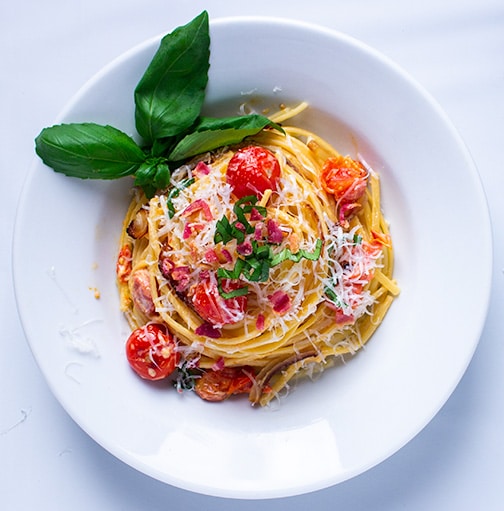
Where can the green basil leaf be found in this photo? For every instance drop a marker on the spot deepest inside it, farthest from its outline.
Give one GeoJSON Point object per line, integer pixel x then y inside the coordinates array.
{"type": "Point", "coordinates": [144, 178]}
{"type": "Point", "coordinates": [210, 133]}
{"type": "Point", "coordinates": [153, 175]}
{"type": "Point", "coordinates": [286, 254]}
{"type": "Point", "coordinates": [175, 192]}
{"type": "Point", "coordinates": [89, 151]}
{"type": "Point", "coordinates": [241, 291]}
{"type": "Point", "coordinates": [162, 176]}
{"type": "Point", "coordinates": [170, 94]}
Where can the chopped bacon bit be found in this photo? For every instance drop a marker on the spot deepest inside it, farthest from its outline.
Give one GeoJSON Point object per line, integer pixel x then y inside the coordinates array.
{"type": "Point", "coordinates": [339, 316]}
{"type": "Point", "coordinates": [280, 301]}
{"type": "Point", "coordinates": [344, 319]}
{"type": "Point", "coordinates": [219, 364]}
{"type": "Point", "coordinates": [227, 255]}
{"type": "Point", "coordinates": [245, 248]}
{"type": "Point", "coordinates": [275, 235]}
{"type": "Point", "coordinates": [223, 255]}
{"type": "Point", "coordinates": [202, 168]}
{"type": "Point", "coordinates": [346, 211]}
{"type": "Point", "coordinates": [258, 231]}
{"type": "Point", "coordinates": [123, 265]}
{"type": "Point", "coordinates": [165, 266]}
{"type": "Point", "coordinates": [255, 215]}
{"type": "Point", "coordinates": [208, 330]}
{"type": "Point", "coordinates": [240, 226]}
{"type": "Point", "coordinates": [180, 273]}
{"type": "Point", "coordinates": [211, 256]}
{"type": "Point", "coordinates": [198, 205]}
{"type": "Point", "coordinates": [260, 322]}
{"type": "Point", "coordinates": [190, 228]}
{"type": "Point", "coordinates": [187, 231]}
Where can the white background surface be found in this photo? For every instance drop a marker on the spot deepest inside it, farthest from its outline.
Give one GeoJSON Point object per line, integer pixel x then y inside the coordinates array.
{"type": "Point", "coordinates": [454, 48]}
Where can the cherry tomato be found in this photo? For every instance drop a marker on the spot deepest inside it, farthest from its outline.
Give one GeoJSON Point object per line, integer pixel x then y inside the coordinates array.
{"type": "Point", "coordinates": [210, 305]}
{"type": "Point", "coordinates": [252, 170]}
{"type": "Point", "coordinates": [219, 385]}
{"type": "Point", "coordinates": [152, 352]}
{"type": "Point", "coordinates": [344, 177]}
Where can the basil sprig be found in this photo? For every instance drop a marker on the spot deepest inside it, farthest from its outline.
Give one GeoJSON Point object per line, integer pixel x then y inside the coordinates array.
{"type": "Point", "coordinates": [168, 102]}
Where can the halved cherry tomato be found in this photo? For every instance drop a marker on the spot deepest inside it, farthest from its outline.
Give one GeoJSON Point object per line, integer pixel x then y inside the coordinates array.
{"type": "Point", "coordinates": [219, 385]}
{"type": "Point", "coordinates": [212, 307]}
{"type": "Point", "coordinates": [151, 351]}
{"type": "Point", "coordinates": [345, 177]}
{"type": "Point", "coordinates": [252, 170]}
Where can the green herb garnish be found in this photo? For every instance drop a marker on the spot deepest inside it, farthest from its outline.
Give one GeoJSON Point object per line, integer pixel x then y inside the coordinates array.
{"type": "Point", "coordinates": [333, 297]}
{"type": "Point", "coordinates": [168, 102]}
{"type": "Point", "coordinates": [254, 267]}
{"type": "Point", "coordinates": [175, 192]}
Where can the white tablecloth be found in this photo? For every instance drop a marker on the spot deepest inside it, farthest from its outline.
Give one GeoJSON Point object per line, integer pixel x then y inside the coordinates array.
{"type": "Point", "coordinates": [48, 49]}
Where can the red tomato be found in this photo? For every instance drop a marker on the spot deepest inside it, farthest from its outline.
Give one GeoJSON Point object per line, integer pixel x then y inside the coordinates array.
{"type": "Point", "coordinates": [152, 352]}
{"type": "Point", "coordinates": [219, 385]}
{"type": "Point", "coordinates": [214, 309]}
{"type": "Point", "coordinates": [252, 170]}
{"type": "Point", "coordinates": [344, 177]}
{"type": "Point", "coordinates": [123, 265]}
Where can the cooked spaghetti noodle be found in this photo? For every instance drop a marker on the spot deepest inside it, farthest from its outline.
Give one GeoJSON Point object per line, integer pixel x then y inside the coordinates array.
{"type": "Point", "coordinates": [316, 264]}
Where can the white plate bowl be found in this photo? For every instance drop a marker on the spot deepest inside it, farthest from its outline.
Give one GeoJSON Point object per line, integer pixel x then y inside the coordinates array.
{"type": "Point", "coordinates": [355, 415]}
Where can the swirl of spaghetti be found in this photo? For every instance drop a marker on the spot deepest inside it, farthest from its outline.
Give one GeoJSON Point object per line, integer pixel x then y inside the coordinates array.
{"type": "Point", "coordinates": [311, 271]}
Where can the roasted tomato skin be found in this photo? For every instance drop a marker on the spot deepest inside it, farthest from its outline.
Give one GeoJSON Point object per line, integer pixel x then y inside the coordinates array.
{"type": "Point", "coordinates": [123, 264]}
{"type": "Point", "coordinates": [212, 307]}
{"type": "Point", "coordinates": [344, 177]}
{"type": "Point", "coordinates": [151, 351]}
{"type": "Point", "coordinates": [217, 386]}
{"type": "Point", "coordinates": [252, 170]}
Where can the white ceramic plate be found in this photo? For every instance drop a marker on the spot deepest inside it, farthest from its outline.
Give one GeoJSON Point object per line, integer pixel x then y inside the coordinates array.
{"type": "Point", "coordinates": [356, 415]}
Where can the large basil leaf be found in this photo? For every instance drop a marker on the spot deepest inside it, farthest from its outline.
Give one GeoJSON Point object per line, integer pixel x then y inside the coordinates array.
{"type": "Point", "coordinates": [89, 151]}
{"type": "Point", "coordinates": [169, 97]}
{"type": "Point", "coordinates": [211, 133]}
